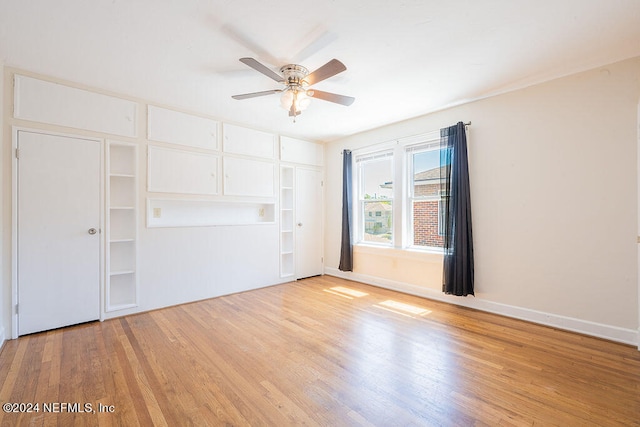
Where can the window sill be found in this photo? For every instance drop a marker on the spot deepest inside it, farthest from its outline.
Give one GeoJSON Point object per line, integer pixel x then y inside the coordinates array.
{"type": "Point", "coordinates": [408, 253]}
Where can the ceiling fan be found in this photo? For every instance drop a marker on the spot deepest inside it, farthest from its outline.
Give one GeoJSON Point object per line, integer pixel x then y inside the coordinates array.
{"type": "Point", "coordinates": [296, 79]}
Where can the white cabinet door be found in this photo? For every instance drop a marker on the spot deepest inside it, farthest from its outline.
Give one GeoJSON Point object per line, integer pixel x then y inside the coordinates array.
{"type": "Point", "coordinates": [58, 231]}
{"type": "Point", "coordinates": [249, 142]}
{"type": "Point", "coordinates": [243, 177]}
{"type": "Point", "coordinates": [46, 102]}
{"type": "Point", "coordinates": [299, 151]}
{"type": "Point", "coordinates": [308, 251]}
{"type": "Point", "coordinates": [180, 171]}
{"type": "Point", "coordinates": [180, 128]}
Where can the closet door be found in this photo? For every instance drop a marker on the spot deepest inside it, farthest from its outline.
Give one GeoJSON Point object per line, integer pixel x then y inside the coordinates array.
{"type": "Point", "coordinates": [58, 231]}
{"type": "Point", "coordinates": [308, 223]}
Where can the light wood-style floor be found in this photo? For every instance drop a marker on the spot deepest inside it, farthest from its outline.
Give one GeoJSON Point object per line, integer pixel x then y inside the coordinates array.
{"type": "Point", "coordinates": [321, 351]}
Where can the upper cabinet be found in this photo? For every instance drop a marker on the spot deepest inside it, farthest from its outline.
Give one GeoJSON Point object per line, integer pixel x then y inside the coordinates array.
{"type": "Point", "coordinates": [250, 142]}
{"type": "Point", "coordinates": [56, 104]}
{"type": "Point", "coordinates": [179, 128]}
{"type": "Point", "coordinates": [244, 177]}
{"type": "Point", "coordinates": [179, 171]}
{"type": "Point", "coordinates": [299, 151]}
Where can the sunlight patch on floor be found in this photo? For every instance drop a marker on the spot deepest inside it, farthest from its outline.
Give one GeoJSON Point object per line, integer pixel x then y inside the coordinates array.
{"type": "Point", "coordinates": [402, 308]}
{"type": "Point", "coordinates": [346, 292]}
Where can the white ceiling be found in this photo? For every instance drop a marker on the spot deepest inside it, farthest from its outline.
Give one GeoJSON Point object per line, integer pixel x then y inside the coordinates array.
{"type": "Point", "coordinates": [404, 58]}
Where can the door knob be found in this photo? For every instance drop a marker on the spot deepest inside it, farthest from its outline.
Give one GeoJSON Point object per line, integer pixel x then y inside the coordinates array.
{"type": "Point", "coordinates": [299, 224]}
{"type": "Point", "coordinates": [92, 231]}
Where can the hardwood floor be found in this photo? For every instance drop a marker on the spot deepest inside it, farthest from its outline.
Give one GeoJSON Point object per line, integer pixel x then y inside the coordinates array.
{"type": "Point", "coordinates": [322, 351]}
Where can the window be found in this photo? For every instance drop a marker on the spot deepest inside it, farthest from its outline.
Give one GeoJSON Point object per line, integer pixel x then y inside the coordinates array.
{"type": "Point", "coordinates": [416, 220]}
{"type": "Point", "coordinates": [424, 202]}
{"type": "Point", "coordinates": [375, 198]}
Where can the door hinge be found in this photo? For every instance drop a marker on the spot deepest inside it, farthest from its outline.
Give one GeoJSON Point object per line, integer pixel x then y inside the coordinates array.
{"type": "Point", "coordinates": [17, 153]}
{"type": "Point", "coordinates": [321, 183]}
{"type": "Point", "coordinates": [16, 308]}
{"type": "Point", "coordinates": [322, 260]}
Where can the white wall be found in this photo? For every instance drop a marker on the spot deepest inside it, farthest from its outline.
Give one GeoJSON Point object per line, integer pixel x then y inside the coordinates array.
{"type": "Point", "coordinates": [553, 171]}
{"type": "Point", "coordinates": [175, 265]}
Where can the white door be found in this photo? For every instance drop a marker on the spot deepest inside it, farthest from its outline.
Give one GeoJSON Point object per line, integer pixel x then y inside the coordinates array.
{"type": "Point", "coordinates": [308, 254]}
{"type": "Point", "coordinates": [58, 231]}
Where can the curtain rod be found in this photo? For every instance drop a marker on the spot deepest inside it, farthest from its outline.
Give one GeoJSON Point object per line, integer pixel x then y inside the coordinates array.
{"type": "Point", "coordinates": [396, 141]}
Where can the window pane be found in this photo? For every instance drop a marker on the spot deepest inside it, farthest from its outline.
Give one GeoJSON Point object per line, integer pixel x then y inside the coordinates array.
{"type": "Point", "coordinates": [427, 223]}
{"type": "Point", "coordinates": [425, 199]}
{"type": "Point", "coordinates": [376, 194]}
{"type": "Point", "coordinates": [378, 223]}
{"type": "Point", "coordinates": [426, 173]}
{"type": "Point", "coordinates": [377, 179]}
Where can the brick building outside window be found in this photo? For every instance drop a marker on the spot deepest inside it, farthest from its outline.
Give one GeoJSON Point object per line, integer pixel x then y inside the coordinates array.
{"type": "Point", "coordinates": [428, 224]}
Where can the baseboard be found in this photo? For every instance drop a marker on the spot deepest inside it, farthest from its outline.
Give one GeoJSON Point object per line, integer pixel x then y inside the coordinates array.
{"type": "Point", "coordinates": [2, 338]}
{"type": "Point", "coordinates": [613, 333]}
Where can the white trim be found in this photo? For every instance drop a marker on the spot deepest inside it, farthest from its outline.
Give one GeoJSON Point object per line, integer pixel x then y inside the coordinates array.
{"type": "Point", "coordinates": [426, 145]}
{"type": "Point", "coordinates": [638, 204]}
{"type": "Point", "coordinates": [374, 156]}
{"type": "Point", "coordinates": [599, 330]}
{"type": "Point", "coordinates": [373, 148]}
{"type": "Point", "coordinates": [2, 338]}
{"type": "Point", "coordinates": [14, 232]}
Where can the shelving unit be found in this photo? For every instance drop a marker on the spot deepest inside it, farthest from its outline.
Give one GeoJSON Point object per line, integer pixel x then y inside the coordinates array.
{"type": "Point", "coordinates": [198, 213]}
{"type": "Point", "coordinates": [287, 265]}
{"type": "Point", "coordinates": [122, 197]}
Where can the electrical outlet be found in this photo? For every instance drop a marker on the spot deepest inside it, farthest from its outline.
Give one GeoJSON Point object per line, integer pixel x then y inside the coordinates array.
{"type": "Point", "coordinates": [157, 212]}
{"type": "Point", "coordinates": [261, 212]}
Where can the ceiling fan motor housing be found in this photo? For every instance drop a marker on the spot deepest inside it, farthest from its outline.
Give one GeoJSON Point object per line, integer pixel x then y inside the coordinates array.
{"type": "Point", "coordinates": [294, 75]}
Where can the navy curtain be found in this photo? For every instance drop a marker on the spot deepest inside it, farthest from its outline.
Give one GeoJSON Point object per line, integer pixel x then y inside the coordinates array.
{"type": "Point", "coordinates": [457, 278]}
{"type": "Point", "coordinates": [346, 250]}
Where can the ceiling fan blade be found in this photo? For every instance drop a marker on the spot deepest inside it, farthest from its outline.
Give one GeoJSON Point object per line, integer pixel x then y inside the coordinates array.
{"type": "Point", "coordinates": [329, 69]}
{"type": "Point", "coordinates": [256, 94]}
{"type": "Point", "coordinates": [262, 69]}
{"type": "Point", "coordinates": [331, 97]}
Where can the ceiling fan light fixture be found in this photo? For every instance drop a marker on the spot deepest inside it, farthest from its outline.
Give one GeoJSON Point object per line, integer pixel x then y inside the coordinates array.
{"type": "Point", "coordinates": [303, 100]}
{"type": "Point", "coordinates": [295, 96]}
{"type": "Point", "coordinates": [286, 99]}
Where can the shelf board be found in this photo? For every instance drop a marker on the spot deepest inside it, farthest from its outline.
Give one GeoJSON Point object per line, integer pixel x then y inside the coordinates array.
{"type": "Point", "coordinates": [122, 207]}
{"type": "Point", "coordinates": [121, 272]}
{"type": "Point", "coordinates": [286, 253]}
{"type": "Point", "coordinates": [122, 240]}
{"type": "Point", "coordinates": [122, 175]}
{"type": "Point", "coordinates": [121, 307]}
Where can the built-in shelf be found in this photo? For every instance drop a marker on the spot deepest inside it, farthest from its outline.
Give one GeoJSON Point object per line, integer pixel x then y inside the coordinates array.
{"type": "Point", "coordinates": [199, 213]}
{"type": "Point", "coordinates": [122, 283]}
{"type": "Point", "coordinates": [286, 221]}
